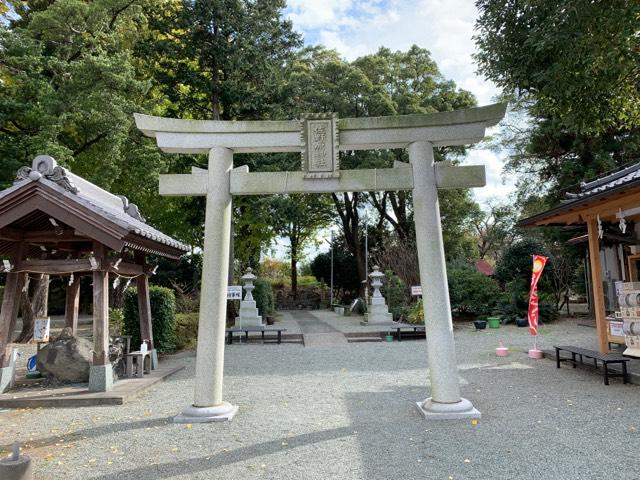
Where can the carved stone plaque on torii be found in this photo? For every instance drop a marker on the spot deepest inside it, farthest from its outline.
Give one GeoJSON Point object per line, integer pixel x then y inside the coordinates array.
{"type": "Point", "coordinates": [320, 138]}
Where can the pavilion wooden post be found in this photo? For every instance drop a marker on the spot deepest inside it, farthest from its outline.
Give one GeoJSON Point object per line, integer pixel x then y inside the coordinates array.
{"type": "Point", "coordinates": [101, 374]}
{"type": "Point", "coordinates": [10, 304]}
{"type": "Point", "coordinates": [596, 282]}
{"type": "Point", "coordinates": [9, 315]}
{"type": "Point", "coordinates": [72, 306]}
{"type": "Point", "coordinates": [144, 308]}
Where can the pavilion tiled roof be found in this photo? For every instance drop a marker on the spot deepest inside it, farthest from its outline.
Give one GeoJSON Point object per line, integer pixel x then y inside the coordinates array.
{"type": "Point", "coordinates": [617, 179]}
{"type": "Point", "coordinates": [616, 183]}
{"type": "Point", "coordinates": [115, 209]}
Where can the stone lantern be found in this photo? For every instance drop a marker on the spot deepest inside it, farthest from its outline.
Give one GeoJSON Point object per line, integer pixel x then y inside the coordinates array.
{"type": "Point", "coordinates": [378, 311]}
{"type": "Point", "coordinates": [248, 311]}
{"type": "Point", "coordinates": [248, 279]}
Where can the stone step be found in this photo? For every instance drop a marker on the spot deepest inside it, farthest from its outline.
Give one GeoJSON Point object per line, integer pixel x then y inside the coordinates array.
{"type": "Point", "coordinates": [364, 339]}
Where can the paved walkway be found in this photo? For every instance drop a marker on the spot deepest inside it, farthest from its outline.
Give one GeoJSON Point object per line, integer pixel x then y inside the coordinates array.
{"type": "Point", "coordinates": [317, 333]}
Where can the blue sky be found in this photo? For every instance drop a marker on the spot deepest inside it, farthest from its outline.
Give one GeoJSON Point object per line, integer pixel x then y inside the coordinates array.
{"type": "Point", "coordinates": [444, 27]}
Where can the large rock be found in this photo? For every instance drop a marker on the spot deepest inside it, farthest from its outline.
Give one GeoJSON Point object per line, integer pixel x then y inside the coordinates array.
{"type": "Point", "coordinates": [67, 359]}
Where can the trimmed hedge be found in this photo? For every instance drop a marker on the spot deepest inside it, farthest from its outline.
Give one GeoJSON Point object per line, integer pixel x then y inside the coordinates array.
{"type": "Point", "coordinates": [163, 314]}
{"type": "Point", "coordinates": [396, 293]}
{"type": "Point", "coordinates": [263, 295]}
{"type": "Point", "coordinates": [187, 331]}
{"type": "Point", "coordinates": [472, 292]}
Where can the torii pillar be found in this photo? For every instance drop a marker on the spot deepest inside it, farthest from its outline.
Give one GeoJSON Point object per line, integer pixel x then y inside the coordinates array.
{"type": "Point", "coordinates": [208, 405]}
{"type": "Point", "coordinates": [319, 137]}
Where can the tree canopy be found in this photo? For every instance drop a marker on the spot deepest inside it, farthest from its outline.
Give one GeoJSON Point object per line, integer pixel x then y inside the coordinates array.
{"type": "Point", "coordinates": [73, 73]}
{"type": "Point", "coordinates": [573, 67]}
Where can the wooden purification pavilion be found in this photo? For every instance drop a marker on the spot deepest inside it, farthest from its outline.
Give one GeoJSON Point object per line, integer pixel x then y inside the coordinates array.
{"type": "Point", "coordinates": [53, 222]}
{"type": "Point", "coordinates": [608, 208]}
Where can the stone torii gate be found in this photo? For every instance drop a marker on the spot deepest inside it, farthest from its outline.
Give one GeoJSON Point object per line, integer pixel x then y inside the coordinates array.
{"type": "Point", "coordinates": [320, 137]}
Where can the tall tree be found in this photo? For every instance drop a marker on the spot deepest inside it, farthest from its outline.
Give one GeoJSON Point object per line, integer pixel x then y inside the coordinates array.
{"type": "Point", "coordinates": [385, 83]}
{"type": "Point", "coordinates": [298, 218]}
{"type": "Point", "coordinates": [494, 228]}
{"type": "Point", "coordinates": [574, 67]}
{"type": "Point", "coordinates": [69, 86]}
{"type": "Point", "coordinates": [223, 60]}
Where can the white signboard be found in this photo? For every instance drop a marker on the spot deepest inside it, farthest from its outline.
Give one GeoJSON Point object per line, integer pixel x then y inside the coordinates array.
{"type": "Point", "coordinates": [416, 290]}
{"type": "Point", "coordinates": [41, 330]}
{"type": "Point", "coordinates": [234, 292]}
{"type": "Point", "coordinates": [615, 328]}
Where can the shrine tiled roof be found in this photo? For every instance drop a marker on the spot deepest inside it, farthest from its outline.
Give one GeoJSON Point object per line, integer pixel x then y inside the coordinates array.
{"type": "Point", "coordinates": [114, 209]}
{"type": "Point", "coordinates": [617, 179]}
{"type": "Point", "coordinates": [598, 190]}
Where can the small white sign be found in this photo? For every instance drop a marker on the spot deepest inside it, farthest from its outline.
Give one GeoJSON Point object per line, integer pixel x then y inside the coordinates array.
{"type": "Point", "coordinates": [234, 292]}
{"type": "Point", "coordinates": [416, 290]}
{"type": "Point", "coordinates": [616, 329]}
{"type": "Point", "coordinates": [41, 330]}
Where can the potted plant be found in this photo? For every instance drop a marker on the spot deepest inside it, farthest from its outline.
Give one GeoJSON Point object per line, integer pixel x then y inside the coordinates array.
{"type": "Point", "coordinates": [480, 324]}
{"type": "Point", "coordinates": [494, 322]}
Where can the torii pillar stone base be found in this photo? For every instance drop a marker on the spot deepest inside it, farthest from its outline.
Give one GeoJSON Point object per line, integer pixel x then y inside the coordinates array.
{"type": "Point", "coordinates": [208, 405]}
{"type": "Point", "coordinates": [445, 402]}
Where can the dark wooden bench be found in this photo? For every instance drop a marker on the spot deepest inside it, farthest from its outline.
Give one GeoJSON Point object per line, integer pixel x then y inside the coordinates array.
{"type": "Point", "coordinates": [605, 358]}
{"type": "Point", "coordinates": [413, 330]}
{"type": "Point", "coordinates": [262, 330]}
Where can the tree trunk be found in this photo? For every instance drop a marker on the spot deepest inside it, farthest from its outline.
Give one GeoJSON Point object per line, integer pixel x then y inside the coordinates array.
{"type": "Point", "coordinates": [33, 306]}
{"type": "Point", "coordinates": [360, 261]}
{"type": "Point", "coordinates": [348, 212]}
{"type": "Point", "coordinates": [294, 269]}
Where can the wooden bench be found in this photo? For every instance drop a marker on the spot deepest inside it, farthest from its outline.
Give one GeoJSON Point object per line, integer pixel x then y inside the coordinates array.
{"type": "Point", "coordinates": [605, 358]}
{"type": "Point", "coordinates": [262, 330]}
{"type": "Point", "coordinates": [414, 330]}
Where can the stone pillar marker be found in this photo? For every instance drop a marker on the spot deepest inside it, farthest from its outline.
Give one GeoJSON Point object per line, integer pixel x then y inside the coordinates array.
{"type": "Point", "coordinates": [378, 311]}
{"type": "Point", "coordinates": [208, 405]}
{"type": "Point", "coordinates": [248, 312]}
{"type": "Point", "coordinates": [445, 401]}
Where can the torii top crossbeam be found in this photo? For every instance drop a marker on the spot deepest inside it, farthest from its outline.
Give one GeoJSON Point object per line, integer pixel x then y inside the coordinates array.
{"type": "Point", "coordinates": [459, 127]}
{"type": "Point", "coordinates": [319, 137]}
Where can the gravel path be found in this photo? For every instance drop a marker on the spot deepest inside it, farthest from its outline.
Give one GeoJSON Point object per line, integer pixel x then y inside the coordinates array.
{"type": "Point", "coordinates": [348, 413]}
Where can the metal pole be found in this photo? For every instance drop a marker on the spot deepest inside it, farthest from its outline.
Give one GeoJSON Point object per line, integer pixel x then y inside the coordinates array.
{"type": "Point", "coordinates": [331, 302]}
{"type": "Point", "coordinates": [366, 258]}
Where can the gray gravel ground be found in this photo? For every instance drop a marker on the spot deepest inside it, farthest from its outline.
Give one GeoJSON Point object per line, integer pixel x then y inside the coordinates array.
{"type": "Point", "coordinates": [349, 413]}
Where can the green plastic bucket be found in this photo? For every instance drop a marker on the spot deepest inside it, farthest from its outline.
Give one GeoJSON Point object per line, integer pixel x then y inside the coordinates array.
{"type": "Point", "coordinates": [494, 322]}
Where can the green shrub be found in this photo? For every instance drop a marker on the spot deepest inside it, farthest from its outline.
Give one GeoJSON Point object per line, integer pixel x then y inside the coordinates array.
{"type": "Point", "coordinates": [187, 302]}
{"type": "Point", "coordinates": [396, 293]}
{"type": "Point", "coordinates": [263, 295]}
{"type": "Point", "coordinates": [163, 314]}
{"type": "Point", "coordinates": [472, 292]}
{"type": "Point", "coordinates": [416, 314]}
{"type": "Point", "coordinates": [187, 330]}
{"type": "Point", "coordinates": [308, 280]}
{"type": "Point", "coordinates": [116, 321]}
{"type": "Point", "coordinates": [514, 303]}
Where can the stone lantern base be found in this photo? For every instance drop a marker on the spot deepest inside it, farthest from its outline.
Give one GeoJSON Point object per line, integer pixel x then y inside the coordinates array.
{"type": "Point", "coordinates": [248, 315]}
{"type": "Point", "coordinates": [378, 313]}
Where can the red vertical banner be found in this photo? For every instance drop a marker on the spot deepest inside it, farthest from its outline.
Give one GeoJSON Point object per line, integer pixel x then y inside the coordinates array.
{"type": "Point", "coordinates": [538, 265]}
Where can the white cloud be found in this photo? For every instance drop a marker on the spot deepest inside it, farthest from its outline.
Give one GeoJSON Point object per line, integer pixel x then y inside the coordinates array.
{"type": "Point", "coordinates": [308, 14]}
{"type": "Point", "coordinates": [354, 28]}
{"type": "Point", "coordinates": [499, 186]}
{"type": "Point", "coordinates": [444, 27]}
